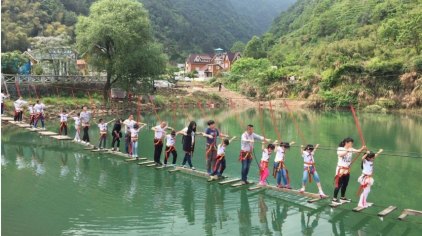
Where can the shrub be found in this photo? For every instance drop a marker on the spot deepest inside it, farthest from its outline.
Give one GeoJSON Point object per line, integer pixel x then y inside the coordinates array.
{"type": "Point", "coordinates": [386, 103]}
{"type": "Point", "coordinates": [374, 109]}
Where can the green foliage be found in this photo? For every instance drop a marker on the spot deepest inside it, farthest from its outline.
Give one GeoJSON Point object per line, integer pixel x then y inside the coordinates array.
{"type": "Point", "coordinates": [252, 76]}
{"type": "Point", "coordinates": [255, 48]}
{"type": "Point", "coordinates": [386, 103]}
{"type": "Point", "coordinates": [338, 98]}
{"type": "Point", "coordinates": [186, 26]}
{"type": "Point", "coordinates": [37, 69]}
{"type": "Point", "coordinates": [375, 109]}
{"type": "Point", "coordinates": [22, 20]}
{"type": "Point", "coordinates": [333, 46]}
{"type": "Point", "coordinates": [182, 26]}
{"type": "Point", "coordinates": [416, 64]}
{"type": "Point", "coordinates": [238, 46]}
{"type": "Point", "coordinates": [117, 37]}
{"type": "Point", "coordinates": [12, 61]}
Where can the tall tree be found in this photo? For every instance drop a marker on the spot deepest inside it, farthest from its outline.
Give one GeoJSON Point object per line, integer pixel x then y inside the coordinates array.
{"type": "Point", "coordinates": [118, 40]}
{"type": "Point", "coordinates": [254, 48]}
{"type": "Point", "coordinates": [238, 46]}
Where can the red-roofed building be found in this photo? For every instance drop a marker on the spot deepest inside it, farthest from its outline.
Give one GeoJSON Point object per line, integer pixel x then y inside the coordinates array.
{"type": "Point", "coordinates": [209, 64]}
{"type": "Point", "coordinates": [197, 61]}
{"type": "Point", "coordinates": [229, 58]}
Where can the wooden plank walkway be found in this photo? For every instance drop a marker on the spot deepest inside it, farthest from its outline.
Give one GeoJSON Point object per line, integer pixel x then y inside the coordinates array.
{"type": "Point", "coordinates": [359, 209]}
{"type": "Point", "coordinates": [229, 181]}
{"type": "Point", "coordinates": [146, 163]}
{"type": "Point", "coordinates": [7, 118]}
{"type": "Point", "coordinates": [198, 173]}
{"type": "Point", "coordinates": [46, 133]}
{"type": "Point", "coordinates": [35, 130]}
{"type": "Point", "coordinates": [61, 137]}
{"type": "Point", "coordinates": [387, 211]}
{"type": "Point", "coordinates": [293, 191]}
{"type": "Point", "coordinates": [136, 159]}
{"type": "Point", "coordinates": [409, 212]}
{"type": "Point", "coordinates": [240, 184]}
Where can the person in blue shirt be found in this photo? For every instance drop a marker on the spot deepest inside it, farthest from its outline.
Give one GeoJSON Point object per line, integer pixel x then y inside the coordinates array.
{"type": "Point", "coordinates": [211, 134]}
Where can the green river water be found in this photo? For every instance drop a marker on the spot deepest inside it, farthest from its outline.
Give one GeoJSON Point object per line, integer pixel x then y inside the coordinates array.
{"type": "Point", "coordinates": [52, 187]}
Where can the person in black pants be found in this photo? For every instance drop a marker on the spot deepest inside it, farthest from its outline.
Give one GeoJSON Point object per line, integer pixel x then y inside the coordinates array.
{"type": "Point", "coordinates": [160, 132]}
{"type": "Point", "coordinates": [188, 143]}
{"type": "Point", "coordinates": [85, 116]}
{"type": "Point", "coordinates": [117, 134]}
{"type": "Point", "coordinates": [345, 151]}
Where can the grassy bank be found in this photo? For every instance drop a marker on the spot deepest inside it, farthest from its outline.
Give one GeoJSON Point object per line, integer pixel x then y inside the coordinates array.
{"type": "Point", "coordinates": [164, 98]}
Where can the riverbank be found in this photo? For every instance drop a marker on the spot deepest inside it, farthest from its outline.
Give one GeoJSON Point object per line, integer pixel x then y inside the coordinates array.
{"type": "Point", "coordinates": [199, 95]}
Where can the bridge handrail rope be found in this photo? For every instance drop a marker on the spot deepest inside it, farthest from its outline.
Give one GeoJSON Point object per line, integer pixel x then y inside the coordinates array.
{"type": "Point", "coordinates": [302, 137]}
{"type": "Point", "coordinates": [352, 109]}
{"type": "Point", "coordinates": [274, 122]}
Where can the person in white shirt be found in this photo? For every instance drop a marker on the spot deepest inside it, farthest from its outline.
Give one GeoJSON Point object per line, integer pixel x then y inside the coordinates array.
{"type": "Point", "coordinates": [247, 144]}
{"type": "Point", "coordinates": [280, 172]}
{"type": "Point", "coordinates": [170, 147]}
{"type": "Point", "coordinates": [159, 134]}
{"type": "Point", "coordinates": [309, 170]}
{"type": "Point", "coordinates": [134, 133]}
{"type": "Point", "coordinates": [345, 152]}
{"type": "Point", "coordinates": [129, 123]}
{"type": "Point", "coordinates": [77, 127]}
{"type": "Point", "coordinates": [366, 180]}
{"type": "Point", "coordinates": [263, 166]}
{"type": "Point", "coordinates": [19, 104]}
{"type": "Point", "coordinates": [85, 116]}
{"type": "Point", "coordinates": [2, 97]}
{"type": "Point", "coordinates": [39, 113]}
{"type": "Point", "coordinates": [63, 121]}
{"type": "Point", "coordinates": [102, 126]}
{"type": "Point", "coordinates": [220, 163]}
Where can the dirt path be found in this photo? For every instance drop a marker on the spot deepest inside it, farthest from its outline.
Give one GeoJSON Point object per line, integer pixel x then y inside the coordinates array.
{"type": "Point", "coordinates": [242, 101]}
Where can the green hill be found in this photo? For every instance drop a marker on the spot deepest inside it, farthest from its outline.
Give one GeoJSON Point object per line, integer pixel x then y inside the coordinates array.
{"type": "Point", "coordinates": [183, 26]}
{"type": "Point", "coordinates": [341, 52]}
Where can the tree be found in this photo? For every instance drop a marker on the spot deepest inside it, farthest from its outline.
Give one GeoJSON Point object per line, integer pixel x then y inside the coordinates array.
{"type": "Point", "coordinates": [411, 33]}
{"type": "Point", "coordinates": [12, 61]}
{"type": "Point", "coordinates": [118, 40]}
{"type": "Point", "coordinates": [238, 46]}
{"type": "Point", "coordinates": [254, 48]}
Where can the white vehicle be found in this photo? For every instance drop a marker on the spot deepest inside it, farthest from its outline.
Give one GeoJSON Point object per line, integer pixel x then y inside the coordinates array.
{"type": "Point", "coordinates": [163, 84]}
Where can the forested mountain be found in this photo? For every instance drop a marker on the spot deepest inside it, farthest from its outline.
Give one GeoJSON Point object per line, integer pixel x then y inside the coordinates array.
{"type": "Point", "coordinates": [183, 26]}
{"type": "Point", "coordinates": [343, 51]}
{"type": "Point", "coordinates": [260, 13]}
{"type": "Point", "coordinates": [22, 21]}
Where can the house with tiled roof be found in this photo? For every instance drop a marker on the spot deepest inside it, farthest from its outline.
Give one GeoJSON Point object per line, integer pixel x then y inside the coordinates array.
{"type": "Point", "coordinates": [195, 62]}
{"type": "Point", "coordinates": [229, 58]}
{"type": "Point", "coordinates": [208, 65]}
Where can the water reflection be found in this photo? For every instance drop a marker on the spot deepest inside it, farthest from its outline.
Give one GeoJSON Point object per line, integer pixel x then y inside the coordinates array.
{"type": "Point", "coordinates": [20, 161]}
{"type": "Point", "coordinates": [279, 216]}
{"type": "Point", "coordinates": [188, 201]}
{"type": "Point", "coordinates": [262, 211]}
{"type": "Point", "coordinates": [64, 168]}
{"type": "Point", "coordinates": [131, 190]}
{"type": "Point", "coordinates": [244, 214]}
{"type": "Point", "coordinates": [308, 222]}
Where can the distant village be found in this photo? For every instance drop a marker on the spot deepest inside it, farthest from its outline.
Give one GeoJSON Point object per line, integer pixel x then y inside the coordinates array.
{"type": "Point", "coordinates": [62, 61]}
